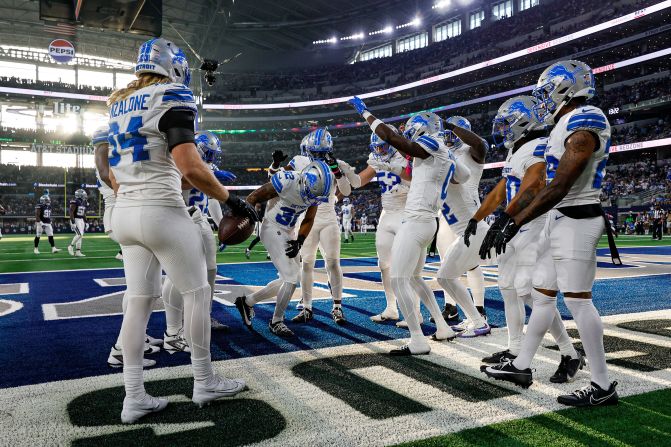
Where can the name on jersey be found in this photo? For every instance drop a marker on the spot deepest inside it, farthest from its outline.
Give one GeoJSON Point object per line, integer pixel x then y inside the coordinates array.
{"type": "Point", "coordinates": [507, 171]}
{"type": "Point", "coordinates": [128, 105]}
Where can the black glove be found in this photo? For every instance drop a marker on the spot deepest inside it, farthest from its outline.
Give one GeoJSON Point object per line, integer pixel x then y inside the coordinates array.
{"type": "Point", "coordinates": [332, 163]}
{"type": "Point", "coordinates": [242, 208]}
{"type": "Point", "coordinates": [504, 236]}
{"type": "Point", "coordinates": [294, 247]}
{"type": "Point", "coordinates": [470, 231]}
{"type": "Point", "coordinates": [278, 158]}
{"type": "Point", "coordinates": [449, 126]}
{"type": "Point", "coordinates": [488, 242]}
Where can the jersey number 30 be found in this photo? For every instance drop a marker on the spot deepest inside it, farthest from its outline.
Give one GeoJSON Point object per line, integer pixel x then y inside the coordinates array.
{"type": "Point", "coordinates": [128, 142]}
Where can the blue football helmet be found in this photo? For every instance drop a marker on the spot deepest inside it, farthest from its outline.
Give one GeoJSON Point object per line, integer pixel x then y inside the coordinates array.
{"type": "Point", "coordinates": [380, 149]}
{"type": "Point", "coordinates": [163, 57]}
{"type": "Point", "coordinates": [559, 84]}
{"type": "Point", "coordinates": [45, 200]}
{"type": "Point", "coordinates": [514, 120]}
{"type": "Point", "coordinates": [451, 137]}
{"type": "Point", "coordinates": [423, 123]}
{"type": "Point", "coordinates": [316, 183]}
{"type": "Point", "coordinates": [208, 146]}
{"type": "Point", "coordinates": [317, 144]}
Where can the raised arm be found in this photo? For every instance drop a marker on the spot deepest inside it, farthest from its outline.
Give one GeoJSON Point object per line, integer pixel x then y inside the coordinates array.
{"type": "Point", "coordinates": [478, 145]}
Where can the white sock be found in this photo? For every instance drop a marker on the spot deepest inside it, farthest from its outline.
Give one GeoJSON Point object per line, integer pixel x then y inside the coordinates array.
{"type": "Point", "coordinates": [458, 291]}
{"type": "Point", "coordinates": [133, 381]}
{"type": "Point", "coordinates": [542, 314]}
{"type": "Point", "coordinates": [124, 305]}
{"type": "Point", "coordinates": [335, 278]}
{"type": "Point", "coordinates": [405, 294]}
{"type": "Point", "coordinates": [283, 297]}
{"type": "Point", "coordinates": [558, 332]}
{"type": "Point", "coordinates": [514, 312]}
{"type": "Point", "coordinates": [590, 329]}
{"type": "Point", "coordinates": [307, 282]}
{"type": "Point", "coordinates": [476, 282]}
{"type": "Point", "coordinates": [197, 328]}
{"type": "Point", "coordinates": [174, 308]}
{"type": "Point", "coordinates": [133, 330]}
{"type": "Point", "coordinates": [388, 290]}
{"type": "Point", "coordinates": [269, 291]}
{"type": "Point", "coordinates": [428, 298]}
{"type": "Point", "coordinates": [202, 368]}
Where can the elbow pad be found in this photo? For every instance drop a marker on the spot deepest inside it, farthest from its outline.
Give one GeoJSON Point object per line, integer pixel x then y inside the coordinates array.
{"type": "Point", "coordinates": [178, 127]}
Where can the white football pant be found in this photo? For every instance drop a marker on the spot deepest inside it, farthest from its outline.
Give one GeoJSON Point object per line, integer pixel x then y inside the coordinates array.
{"type": "Point", "coordinates": [326, 237]}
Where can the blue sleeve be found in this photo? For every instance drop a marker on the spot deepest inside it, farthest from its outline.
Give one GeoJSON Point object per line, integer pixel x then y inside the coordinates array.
{"type": "Point", "coordinates": [587, 120]}
{"type": "Point", "coordinates": [277, 183]}
{"type": "Point", "coordinates": [429, 143]}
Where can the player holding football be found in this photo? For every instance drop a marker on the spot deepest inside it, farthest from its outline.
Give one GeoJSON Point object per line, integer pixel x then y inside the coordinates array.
{"type": "Point", "coordinates": [517, 128]}
{"type": "Point", "coordinates": [295, 193]}
{"type": "Point", "coordinates": [433, 170]}
{"type": "Point", "coordinates": [347, 213]}
{"type": "Point", "coordinates": [151, 148]}
{"type": "Point", "coordinates": [43, 224]}
{"type": "Point", "coordinates": [576, 157]}
{"type": "Point", "coordinates": [78, 207]}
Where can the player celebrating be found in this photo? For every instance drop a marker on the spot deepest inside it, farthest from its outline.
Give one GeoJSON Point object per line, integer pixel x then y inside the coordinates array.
{"type": "Point", "coordinates": [297, 192]}
{"type": "Point", "coordinates": [78, 208]}
{"type": "Point", "coordinates": [43, 224]}
{"type": "Point", "coordinates": [433, 169]}
{"type": "Point", "coordinates": [576, 157]}
{"type": "Point", "coordinates": [516, 128]}
{"type": "Point", "coordinates": [325, 233]}
{"type": "Point", "coordinates": [152, 148]}
{"type": "Point", "coordinates": [347, 214]}
{"type": "Point", "coordinates": [389, 167]}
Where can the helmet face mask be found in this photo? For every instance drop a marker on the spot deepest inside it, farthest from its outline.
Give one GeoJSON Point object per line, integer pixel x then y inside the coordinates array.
{"type": "Point", "coordinates": [514, 119]}
{"type": "Point", "coordinates": [80, 194]}
{"type": "Point", "coordinates": [424, 123]}
{"type": "Point", "coordinates": [450, 137]}
{"type": "Point", "coordinates": [208, 145]}
{"type": "Point", "coordinates": [45, 200]}
{"type": "Point", "coordinates": [316, 183]}
{"type": "Point", "coordinates": [381, 150]}
{"type": "Point", "coordinates": [559, 84]}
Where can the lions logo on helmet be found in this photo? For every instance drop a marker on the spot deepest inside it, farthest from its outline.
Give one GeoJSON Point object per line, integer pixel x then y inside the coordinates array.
{"type": "Point", "coordinates": [451, 137]}
{"type": "Point", "coordinates": [45, 200]}
{"type": "Point", "coordinates": [163, 57]}
{"type": "Point", "coordinates": [317, 144]}
{"type": "Point", "coordinates": [316, 183]}
{"type": "Point", "coordinates": [208, 145]}
{"type": "Point", "coordinates": [80, 194]}
{"type": "Point", "coordinates": [380, 149]}
{"type": "Point", "coordinates": [514, 120]}
{"type": "Point", "coordinates": [560, 83]}
{"type": "Point", "coordinates": [424, 123]}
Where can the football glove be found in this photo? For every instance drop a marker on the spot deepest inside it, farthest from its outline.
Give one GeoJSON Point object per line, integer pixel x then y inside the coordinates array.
{"type": "Point", "coordinates": [222, 247]}
{"type": "Point", "coordinates": [278, 158]}
{"type": "Point", "coordinates": [332, 163]}
{"type": "Point", "coordinates": [471, 230]}
{"type": "Point", "coordinates": [358, 104]}
{"type": "Point", "coordinates": [224, 176]}
{"type": "Point", "coordinates": [504, 236]}
{"type": "Point", "coordinates": [488, 242]}
{"type": "Point", "coordinates": [294, 247]}
{"type": "Point", "coordinates": [242, 208]}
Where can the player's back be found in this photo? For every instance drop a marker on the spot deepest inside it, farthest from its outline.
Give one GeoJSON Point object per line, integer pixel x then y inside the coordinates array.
{"type": "Point", "coordinates": [326, 210]}
{"type": "Point", "coordinates": [587, 187]}
{"type": "Point", "coordinates": [430, 178]}
{"type": "Point", "coordinates": [285, 211]}
{"type": "Point", "coordinates": [139, 156]}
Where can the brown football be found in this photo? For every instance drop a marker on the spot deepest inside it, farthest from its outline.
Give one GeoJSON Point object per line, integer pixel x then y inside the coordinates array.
{"type": "Point", "coordinates": [235, 230]}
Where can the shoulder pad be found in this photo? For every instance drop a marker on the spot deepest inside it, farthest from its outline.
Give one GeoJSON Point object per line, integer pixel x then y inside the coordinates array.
{"type": "Point", "coordinates": [428, 142]}
{"type": "Point", "coordinates": [588, 118]}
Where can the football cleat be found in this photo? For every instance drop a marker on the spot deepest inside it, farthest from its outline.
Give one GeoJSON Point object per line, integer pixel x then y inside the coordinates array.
{"type": "Point", "coordinates": [451, 314]}
{"type": "Point", "coordinates": [134, 409]}
{"type": "Point", "coordinates": [175, 343]}
{"type": "Point", "coordinates": [115, 359]}
{"type": "Point", "coordinates": [71, 250]}
{"type": "Point", "coordinates": [471, 331]}
{"type": "Point", "coordinates": [149, 340]}
{"type": "Point", "coordinates": [299, 305]}
{"type": "Point", "coordinates": [55, 250]}
{"type": "Point", "coordinates": [507, 371]}
{"type": "Point", "coordinates": [149, 349]}
{"type": "Point", "coordinates": [303, 316]}
{"type": "Point", "coordinates": [36, 251]}
{"type": "Point", "coordinates": [119, 257]}
{"type": "Point", "coordinates": [405, 350]}
{"type": "Point", "coordinates": [482, 311]}
{"type": "Point", "coordinates": [247, 253]}
{"type": "Point", "coordinates": [384, 316]}
{"type": "Point", "coordinates": [500, 357]}
{"type": "Point", "coordinates": [590, 396]}
{"type": "Point", "coordinates": [450, 337]}
{"type": "Point", "coordinates": [216, 388]}
{"type": "Point", "coordinates": [280, 329]}
{"type": "Point", "coordinates": [246, 311]}
{"type": "Point", "coordinates": [79, 254]}
{"type": "Point", "coordinates": [568, 368]}
{"type": "Point", "coordinates": [217, 325]}
{"type": "Point", "coordinates": [338, 316]}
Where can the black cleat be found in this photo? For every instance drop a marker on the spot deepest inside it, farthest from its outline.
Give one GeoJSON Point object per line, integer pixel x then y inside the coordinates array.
{"type": "Point", "coordinates": [405, 351]}
{"type": "Point", "coordinates": [434, 337]}
{"type": "Point", "coordinates": [451, 314]}
{"type": "Point", "coordinates": [506, 371]}
{"type": "Point", "coordinates": [338, 316]}
{"type": "Point", "coordinates": [280, 329]}
{"type": "Point", "coordinates": [568, 368]}
{"type": "Point", "coordinates": [500, 357]}
{"type": "Point", "coordinates": [590, 396]}
{"type": "Point", "coordinates": [304, 316]}
{"type": "Point", "coordinates": [482, 311]}
{"type": "Point", "coordinates": [246, 312]}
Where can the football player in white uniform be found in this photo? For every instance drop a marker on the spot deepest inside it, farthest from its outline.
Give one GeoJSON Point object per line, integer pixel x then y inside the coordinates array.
{"type": "Point", "coordinates": [43, 224]}
{"type": "Point", "coordinates": [77, 210]}
{"type": "Point", "coordinates": [433, 170]}
{"type": "Point", "coordinates": [297, 193]}
{"type": "Point", "coordinates": [576, 157]}
{"type": "Point", "coordinates": [151, 148]}
{"type": "Point", "coordinates": [101, 149]}
{"type": "Point", "coordinates": [363, 226]}
{"type": "Point", "coordinates": [389, 168]}
{"type": "Point", "coordinates": [325, 233]}
{"type": "Point", "coordinates": [516, 128]}
{"type": "Point", "coordinates": [347, 213]}
{"type": "Point", "coordinates": [470, 150]}
{"type": "Point", "coordinates": [461, 203]}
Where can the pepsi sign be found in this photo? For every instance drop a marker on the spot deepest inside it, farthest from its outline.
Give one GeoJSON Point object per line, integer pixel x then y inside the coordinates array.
{"type": "Point", "coordinates": [61, 50]}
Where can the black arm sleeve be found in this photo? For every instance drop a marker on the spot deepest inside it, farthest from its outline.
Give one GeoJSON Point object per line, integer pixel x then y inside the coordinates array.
{"type": "Point", "coordinates": [177, 125]}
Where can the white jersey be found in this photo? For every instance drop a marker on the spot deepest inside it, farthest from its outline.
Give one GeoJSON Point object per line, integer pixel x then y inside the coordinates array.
{"type": "Point", "coordinates": [326, 210]}
{"type": "Point", "coordinates": [197, 198]}
{"type": "Point", "coordinates": [286, 211]}
{"type": "Point", "coordinates": [393, 189]}
{"type": "Point", "coordinates": [108, 193]}
{"type": "Point", "coordinates": [138, 152]}
{"type": "Point", "coordinates": [518, 162]}
{"type": "Point", "coordinates": [463, 199]}
{"type": "Point", "coordinates": [346, 211]}
{"type": "Point", "coordinates": [587, 187]}
{"type": "Point", "coordinates": [430, 178]}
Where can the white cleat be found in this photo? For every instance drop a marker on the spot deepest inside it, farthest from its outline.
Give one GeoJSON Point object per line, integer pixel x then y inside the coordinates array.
{"type": "Point", "coordinates": [217, 388]}
{"type": "Point", "coordinates": [175, 343]}
{"type": "Point", "coordinates": [79, 254]}
{"type": "Point", "coordinates": [384, 316]}
{"type": "Point", "coordinates": [134, 409]}
{"type": "Point", "coordinates": [36, 251]}
{"type": "Point", "coordinates": [71, 250]}
{"type": "Point", "coordinates": [115, 359]}
{"type": "Point", "coordinates": [149, 340]}
{"type": "Point", "coordinates": [299, 306]}
{"type": "Point", "coordinates": [55, 250]}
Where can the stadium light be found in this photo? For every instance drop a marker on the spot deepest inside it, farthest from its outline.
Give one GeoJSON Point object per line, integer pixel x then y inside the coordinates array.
{"type": "Point", "coordinates": [415, 22]}
{"type": "Point", "coordinates": [353, 37]}
{"type": "Point", "coordinates": [386, 30]}
{"type": "Point", "coordinates": [441, 4]}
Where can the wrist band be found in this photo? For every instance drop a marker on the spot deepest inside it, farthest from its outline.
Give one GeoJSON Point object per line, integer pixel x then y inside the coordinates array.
{"type": "Point", "coordinates": [376, 123]}
{"type": "Point", "coordinates": [366, 114]}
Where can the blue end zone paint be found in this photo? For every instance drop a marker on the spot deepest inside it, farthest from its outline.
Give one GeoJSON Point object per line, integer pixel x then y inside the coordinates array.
{"type": "Point", "coordinates": [661, 250]}
{"type": "Point", "coordinates": [38, 351]}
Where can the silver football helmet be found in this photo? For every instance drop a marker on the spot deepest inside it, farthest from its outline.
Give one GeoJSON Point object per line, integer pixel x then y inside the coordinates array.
{"type": "Point", "coordinates": [514, 120]}
{"type": "Point", "coordinates": [316, 183]}
{"type": "Point", "coordinates": [80, 194]}
{"type": "Point", "coordinates": [208, 145]}
{"type": "Point", "coordinates": [317, 144]}
{"type": "Point", "coordinates": [451, 137]}
{"type": "Point", "coordinates": [163, 57]}
{"type": "Point", "coordinates": [380, 149]}
{"type": "Point", "coordinates": [423, 123]}
{"type": "Point", "coordinates": [45, 200]}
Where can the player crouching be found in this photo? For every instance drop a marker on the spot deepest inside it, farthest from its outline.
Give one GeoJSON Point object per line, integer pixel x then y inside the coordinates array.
{"type": "Point", "coordinates": [297, 192]}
